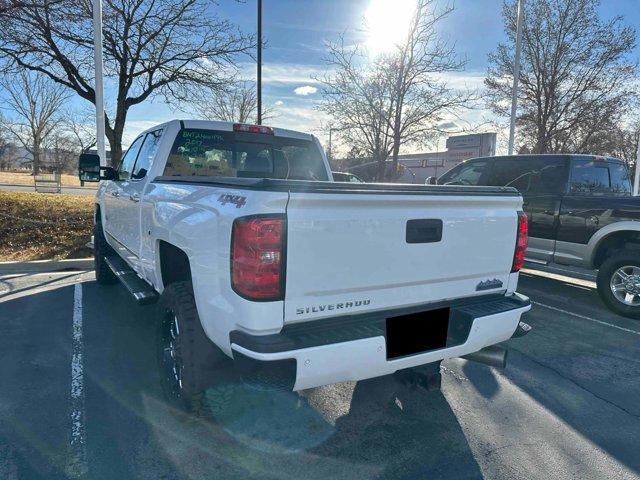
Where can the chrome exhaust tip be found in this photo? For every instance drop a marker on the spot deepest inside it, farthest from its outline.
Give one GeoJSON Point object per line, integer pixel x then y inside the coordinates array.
{"type": "Point", "coordinates": [493, 355]}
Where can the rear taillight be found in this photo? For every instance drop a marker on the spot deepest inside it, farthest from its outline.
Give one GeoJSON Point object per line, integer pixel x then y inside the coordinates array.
{"type": "Point", "coordinates": [257, 257]}
{"type": "Point", "coordinates": [521, 242]}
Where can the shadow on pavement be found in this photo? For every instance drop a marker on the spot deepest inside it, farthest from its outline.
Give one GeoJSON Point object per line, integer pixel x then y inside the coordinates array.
{"type": "Point", "coordinates": [482, 378]}
{"type": "Point", "coordinates": [404, 432]}
{"type": "Point", "coordinates": [377, 429]}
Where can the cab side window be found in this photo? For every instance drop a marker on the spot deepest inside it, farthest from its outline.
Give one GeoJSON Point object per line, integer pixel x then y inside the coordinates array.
{"type": "Point", "coordinates": [530, 174]}
{"type": "Point", "coordinates": [129, 159]}
{"type": "Point", "coordinates": [550, 177]}
{"type": "Point", "coordinates": [599, 177]}
{"type": "Point", "coordinates": [146, 154]}
{"type": "Point", "coordinates": [467, 174]}
{"type": "Point", "coordinates": [588, 176]}
{"type": "Point", "coordinates": [514, 172]}
{"type": "Point", "coordinates": [620, 181]}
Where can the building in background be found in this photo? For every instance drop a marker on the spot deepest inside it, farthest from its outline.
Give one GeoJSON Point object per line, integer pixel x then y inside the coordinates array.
{"type": "Point", "coordinates": [416, 167]}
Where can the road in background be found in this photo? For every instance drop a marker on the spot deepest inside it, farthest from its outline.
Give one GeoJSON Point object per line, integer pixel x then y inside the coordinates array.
{"type": "Point", "coordinates": [565, 407]}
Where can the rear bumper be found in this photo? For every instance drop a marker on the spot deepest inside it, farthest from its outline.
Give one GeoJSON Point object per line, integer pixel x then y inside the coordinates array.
{"type": "Point", "coordinates": [353, 348]}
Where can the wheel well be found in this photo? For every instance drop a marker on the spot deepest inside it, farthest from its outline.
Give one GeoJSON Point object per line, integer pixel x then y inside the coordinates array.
{"type": "Point", "coordinates": [174, 264]}
{"type": "Point", "coordinates": [615, 241]}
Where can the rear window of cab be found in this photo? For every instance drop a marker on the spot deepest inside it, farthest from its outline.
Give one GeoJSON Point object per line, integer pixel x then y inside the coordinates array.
{"type": "Point", "coordinates": [212, 153]}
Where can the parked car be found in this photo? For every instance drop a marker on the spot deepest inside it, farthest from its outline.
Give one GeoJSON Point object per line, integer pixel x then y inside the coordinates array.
{"type": "Point", "coordinates": [581, 212]}
{"type": "Point", "coordinates": [255, 255]}
{"type": "Point", "coordinates": [346, 177]}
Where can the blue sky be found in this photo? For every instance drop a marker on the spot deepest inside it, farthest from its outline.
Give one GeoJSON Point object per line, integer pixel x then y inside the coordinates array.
{"type": "Point", "coordinates": [296, 32]}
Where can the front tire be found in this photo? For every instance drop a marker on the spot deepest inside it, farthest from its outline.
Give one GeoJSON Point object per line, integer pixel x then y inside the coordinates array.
{"type": "Point", "coordinates": [189, 362]}
{"type": "Point", "coordinates": [619, 283]}
{"type": "Point", "coordinates": [104, 275]}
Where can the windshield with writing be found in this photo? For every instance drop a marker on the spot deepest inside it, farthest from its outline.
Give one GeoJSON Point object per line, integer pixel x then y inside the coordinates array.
{"type": "Point", "coordinates": [211, 153]}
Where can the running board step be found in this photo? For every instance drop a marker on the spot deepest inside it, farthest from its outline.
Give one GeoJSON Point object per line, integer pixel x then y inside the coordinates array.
{"type": "Point", "coordinates": [142, 292]}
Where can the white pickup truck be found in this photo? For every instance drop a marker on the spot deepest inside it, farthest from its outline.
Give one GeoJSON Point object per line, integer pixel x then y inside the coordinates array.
{"type": "Point", "coordinates": [256, 255]}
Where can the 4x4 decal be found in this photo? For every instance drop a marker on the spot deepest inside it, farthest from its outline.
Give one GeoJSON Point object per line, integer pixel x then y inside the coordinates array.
{"type": "Point", "coordinates": [238, 200]}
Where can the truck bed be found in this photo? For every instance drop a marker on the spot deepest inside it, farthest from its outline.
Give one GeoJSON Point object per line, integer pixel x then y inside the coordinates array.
{"type": "Point", "coordinates": [277, 185]}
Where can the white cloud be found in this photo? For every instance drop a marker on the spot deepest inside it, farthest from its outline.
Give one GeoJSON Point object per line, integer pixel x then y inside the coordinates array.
{"type": "Point", "coordinates": [462, 80]}
{"type": "Point", "coordinates": [278, 103]}
{"type": "Point", "coordinates": [305, 90]}
{"type": "Point", "coordinates": [284, 73]}
{"type": "Point", "coordinates": [302, 119]}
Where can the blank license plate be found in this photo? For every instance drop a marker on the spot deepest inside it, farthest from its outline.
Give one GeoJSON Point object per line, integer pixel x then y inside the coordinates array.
{"type": "Point", "coordinates": [417, 332]}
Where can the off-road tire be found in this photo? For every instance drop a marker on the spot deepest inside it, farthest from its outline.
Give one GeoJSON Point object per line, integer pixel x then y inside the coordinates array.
{"type": "Point", "coordinates": [618, 259]}
{"type": "Point", "coordinates": [202, 363]}
{"type": "Point", "coordinates": [104, 275]}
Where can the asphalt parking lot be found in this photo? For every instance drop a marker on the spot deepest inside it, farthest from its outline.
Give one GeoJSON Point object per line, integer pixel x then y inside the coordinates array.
{"type": "Point", "coordinates": [80, 398]}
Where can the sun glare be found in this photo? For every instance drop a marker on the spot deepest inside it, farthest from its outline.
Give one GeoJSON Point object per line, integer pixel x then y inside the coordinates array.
{"type": "Point", "coordinates": [387, 23]}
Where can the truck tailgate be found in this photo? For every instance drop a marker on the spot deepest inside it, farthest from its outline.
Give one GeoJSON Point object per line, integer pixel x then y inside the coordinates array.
{"type": "Point", "coordinates": [356, 252]}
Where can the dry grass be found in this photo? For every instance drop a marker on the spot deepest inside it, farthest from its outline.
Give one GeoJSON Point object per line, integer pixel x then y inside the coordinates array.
{"type": "Point", "coordinates": [25, 178]}
{"type": "Point", "coordinates": [37, 226]}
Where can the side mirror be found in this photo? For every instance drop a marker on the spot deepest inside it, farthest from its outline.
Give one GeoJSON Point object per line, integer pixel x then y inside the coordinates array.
{"type": "Point", "coordinates": [89, 167]}
{"type": "Point", "coordinates": [108, 173]}
{"type": "Point", "coordinates": [433, 180]}
{"type": "Point", "coordinates": [90, 170]}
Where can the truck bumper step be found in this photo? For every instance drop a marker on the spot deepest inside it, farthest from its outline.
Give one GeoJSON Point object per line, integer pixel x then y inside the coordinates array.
{"type": "Point", "coordinates": [142, 292]}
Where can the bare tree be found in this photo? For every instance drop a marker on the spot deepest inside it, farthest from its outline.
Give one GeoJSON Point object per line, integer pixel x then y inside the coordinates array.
{"type": "Point", "coordinates": [35, 103]}
{"type": "Point", "coordinates": [420, 97]}
{"type": "Point", "coordinates": [575, 75]}
{"type": "Point", "coordinates": [79, 127]}
{"type": "Point", "coordinates": [5, 143]}
{"type": "Point", "coordinates": [62, 151]}
{"type": "Point", "coordinates": [151, 48]}
{"type": "Point", "coordinates": [398, 98]}
{"type": "Point", "coordinates": [356, 98]}
{"type": "Point", "coordinates": [622, 141]}
{"type": "Point", "coordinates": [236, 103]}
{"type": "Point", "coordinates": [8, 150]}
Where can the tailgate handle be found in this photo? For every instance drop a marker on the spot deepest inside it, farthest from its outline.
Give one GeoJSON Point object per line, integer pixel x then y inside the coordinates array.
{"type": "Point", "coordinates": [427, 230]}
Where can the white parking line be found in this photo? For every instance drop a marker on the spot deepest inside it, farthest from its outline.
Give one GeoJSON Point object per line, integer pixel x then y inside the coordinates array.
{"type": "Point", "coordinates": [77, 467]}
{"type": "Point", "coordinates": [584, 317]}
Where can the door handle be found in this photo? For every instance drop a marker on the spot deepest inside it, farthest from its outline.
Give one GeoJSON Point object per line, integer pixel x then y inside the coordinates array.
{"type": "Point", "coordinates": [134, 197]}
{"type": "Point", "coordinates": [115, 193]}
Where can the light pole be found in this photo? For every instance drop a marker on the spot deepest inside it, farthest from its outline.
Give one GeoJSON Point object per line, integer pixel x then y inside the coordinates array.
{"type": "Point", "coordinates": [636, 175]}
{"type": "Point", "coordinates": [259, 62]}
{"type": "Point", "coordinates": [516, 75]}
{"type": "Point", "coordinates": [99, 95]}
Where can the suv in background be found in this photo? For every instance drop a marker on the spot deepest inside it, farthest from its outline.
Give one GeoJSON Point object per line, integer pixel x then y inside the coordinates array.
{"type": "Point", "coordinates": [581, 212]}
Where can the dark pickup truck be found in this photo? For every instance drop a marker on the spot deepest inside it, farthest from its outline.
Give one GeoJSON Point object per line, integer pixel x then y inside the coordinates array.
{"type": "Point", "coordinates": [581, 212]}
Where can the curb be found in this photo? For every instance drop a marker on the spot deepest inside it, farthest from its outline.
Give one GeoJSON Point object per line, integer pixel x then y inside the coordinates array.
{"type": "Point", "coordinates": [31, 185]}
{"type": "Point", "coordinates": [46, 266]}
